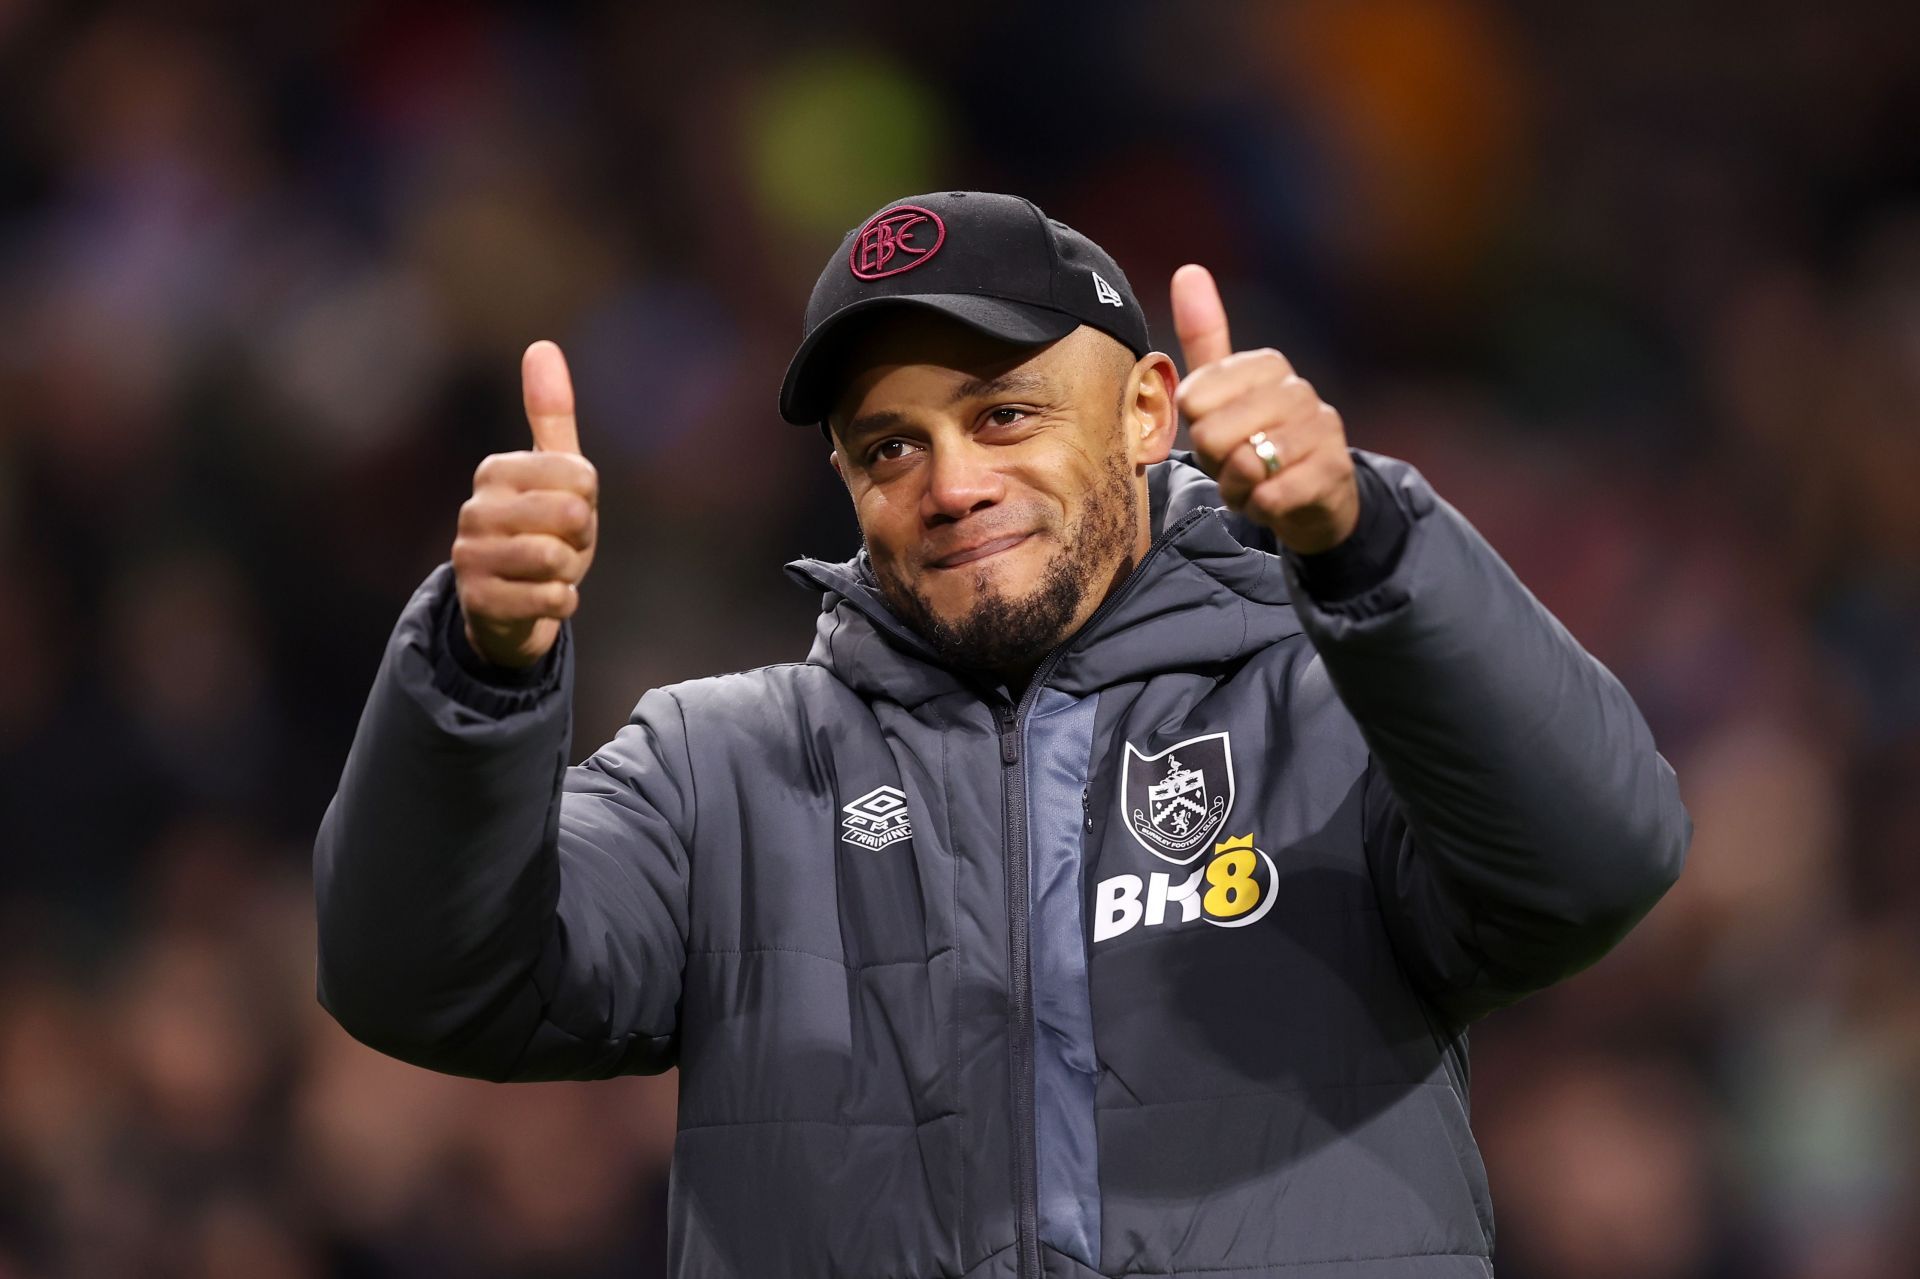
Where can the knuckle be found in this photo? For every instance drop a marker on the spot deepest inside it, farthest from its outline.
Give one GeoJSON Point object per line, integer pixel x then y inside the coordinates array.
{"type": "Point", "coordinates": [589, 475]}
{"type": "Point", "coordinates": [1196, 382]}
{"type": "Point", "coordinates": [504, 470]}
{"type": "Point", "coordinates": [462, 554]}
{"type": "Point", "coordinates": [481, 513]}
{"type": "Point", "coordinates": [1263, 364]}
{"type": "Point", "coordinates": [542, 600]}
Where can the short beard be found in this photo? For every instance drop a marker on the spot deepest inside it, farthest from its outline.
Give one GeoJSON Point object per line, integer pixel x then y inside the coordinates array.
{"type": "Point", "coordinates": [1003, 634]}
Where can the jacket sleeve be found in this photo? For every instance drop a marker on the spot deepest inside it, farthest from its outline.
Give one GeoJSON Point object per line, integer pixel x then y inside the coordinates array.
{"type": "Point", "coordinates": [484, 909]}
{"type": "Point", "coordinates": [1518, 820]}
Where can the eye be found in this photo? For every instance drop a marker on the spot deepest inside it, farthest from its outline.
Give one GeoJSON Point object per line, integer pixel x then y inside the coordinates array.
{"type": "Point", "coordinates": [889, 450]}
{"type": "Point", "coordinates": [1006, 415]}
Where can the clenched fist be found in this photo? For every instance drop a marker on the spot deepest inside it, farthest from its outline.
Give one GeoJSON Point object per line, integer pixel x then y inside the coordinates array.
{"type": "Point", "coordinates": [1241, 406]}
{"type": "Point", "coordinates": [526, 535]}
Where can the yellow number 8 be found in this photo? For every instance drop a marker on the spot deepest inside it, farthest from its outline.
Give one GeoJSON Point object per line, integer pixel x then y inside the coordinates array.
{"type": "Point", "coordinates": [1231, 889]}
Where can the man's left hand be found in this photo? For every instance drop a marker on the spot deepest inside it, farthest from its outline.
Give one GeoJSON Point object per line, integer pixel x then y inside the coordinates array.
{"type": "Point", "coordinates": [1233, 401]}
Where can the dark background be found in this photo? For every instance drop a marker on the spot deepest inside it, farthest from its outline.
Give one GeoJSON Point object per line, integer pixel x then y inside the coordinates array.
{"type": "Point", "coordinates": [1636, 284]}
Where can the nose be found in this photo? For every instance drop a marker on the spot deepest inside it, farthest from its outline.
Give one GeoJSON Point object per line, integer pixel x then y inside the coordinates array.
{"type": "Point", "coordinates": [961, 479]}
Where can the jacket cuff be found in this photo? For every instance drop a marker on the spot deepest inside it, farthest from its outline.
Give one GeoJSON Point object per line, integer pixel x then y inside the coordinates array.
{"type": "Point", "coordinates": [1369, 554]}
{"type": "Point", "coordinates": [477, 684]}
{"type": "Point", "coordinates": [1414, 501]}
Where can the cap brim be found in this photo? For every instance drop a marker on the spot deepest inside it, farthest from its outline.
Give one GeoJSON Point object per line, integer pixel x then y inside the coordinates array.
{"type": "Point", "coordinates": [810, 386]}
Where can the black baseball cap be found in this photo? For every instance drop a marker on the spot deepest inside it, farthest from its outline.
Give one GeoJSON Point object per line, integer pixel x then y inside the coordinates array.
{"type": "Point", "coordinates": [995, 263]}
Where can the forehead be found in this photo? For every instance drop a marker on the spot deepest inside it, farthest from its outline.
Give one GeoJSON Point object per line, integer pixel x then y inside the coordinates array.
{"type": "Point", "coordinates": [921, 359]}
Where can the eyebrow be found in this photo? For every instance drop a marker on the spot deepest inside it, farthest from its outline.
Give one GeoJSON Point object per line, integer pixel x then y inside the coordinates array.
{"type": "Point", "coordinates": [873, 423]}
{"type": "Point", "coordinates": [1014, 381]}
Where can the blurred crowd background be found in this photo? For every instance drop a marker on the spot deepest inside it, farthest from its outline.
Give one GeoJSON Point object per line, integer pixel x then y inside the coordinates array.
{"type": "Point", "coordinates": [1636, 284]}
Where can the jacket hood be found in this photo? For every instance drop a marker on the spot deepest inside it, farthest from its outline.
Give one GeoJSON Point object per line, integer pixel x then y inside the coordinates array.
{"type": "Point", "coordinates": [1209, 592]}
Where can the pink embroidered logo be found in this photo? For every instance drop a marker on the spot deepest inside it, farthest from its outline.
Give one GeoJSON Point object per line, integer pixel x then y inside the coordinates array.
{"type": "Point", "coordinates": [896, 240]}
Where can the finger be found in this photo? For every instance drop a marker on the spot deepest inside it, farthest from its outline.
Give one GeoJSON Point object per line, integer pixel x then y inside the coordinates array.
{"type": "Point", "coordinates": [1243, 471]}
{"type": "Point", "coordinates": [524, 557]}
{"type": "Point", "coordinates": [1303, 496]}
{"type": "Point", "coordinates": [495, 599]}
{"type": "Point", "coordinates": [1236, 377]}
{"type": "Point", "coordinates": [1199, 317]}
{"type": "Point", "coordinates": [547, 390]}
{"type": "Point", "coordinates": [1217, 433]}
{"type": "Point", "coordinates": [495, 513]}
{"type": "Point", "coordinates": [526, 470]}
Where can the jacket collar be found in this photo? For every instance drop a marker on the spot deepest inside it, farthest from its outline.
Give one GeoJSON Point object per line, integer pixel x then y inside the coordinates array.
{"type": "Point", "coordinates": [1209, 592]}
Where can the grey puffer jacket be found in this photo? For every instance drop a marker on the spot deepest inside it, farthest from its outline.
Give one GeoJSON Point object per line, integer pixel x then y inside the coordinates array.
{"type": "Point", "coordinates": [1164, 970]}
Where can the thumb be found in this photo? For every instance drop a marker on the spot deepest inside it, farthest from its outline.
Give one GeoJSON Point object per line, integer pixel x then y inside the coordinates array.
{"type": "Point", "coordinates": [1199, 317]}
{"type": "Point", "coordinates": [547, 390]}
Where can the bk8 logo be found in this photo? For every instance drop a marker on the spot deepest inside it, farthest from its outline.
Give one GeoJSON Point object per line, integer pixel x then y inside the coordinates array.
{"type": "Point", "coordinates": [1232, 889]}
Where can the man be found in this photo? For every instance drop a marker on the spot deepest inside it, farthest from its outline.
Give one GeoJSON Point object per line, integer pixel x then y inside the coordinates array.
{"type": "Point", "coordinates": [1111, 889]}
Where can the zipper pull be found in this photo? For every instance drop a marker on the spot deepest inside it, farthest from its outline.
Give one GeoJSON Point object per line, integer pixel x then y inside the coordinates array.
{"type": "Point", "coordinates": [1009, 739]}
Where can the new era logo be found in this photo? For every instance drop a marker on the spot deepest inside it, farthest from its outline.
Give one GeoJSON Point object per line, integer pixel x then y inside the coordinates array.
{"type": "Point", "coordinates": [877, 819]}
{"type": "Point", "coordinates": [1106, 292]}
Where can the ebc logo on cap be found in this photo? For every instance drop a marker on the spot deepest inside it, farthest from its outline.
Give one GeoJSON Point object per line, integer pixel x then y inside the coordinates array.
{"type": "Point", "coordinates": [895, 240]}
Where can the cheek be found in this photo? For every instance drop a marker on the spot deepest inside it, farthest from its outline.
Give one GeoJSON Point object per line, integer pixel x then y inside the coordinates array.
{"type": "Point", "coordinates": [1075, 475]}
{"type": "Point", "coordinates": [887, 527]}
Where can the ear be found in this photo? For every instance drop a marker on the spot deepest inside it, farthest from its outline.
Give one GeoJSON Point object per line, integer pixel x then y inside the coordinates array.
{"type": "Point", "coordinates": [833, 460]}
{"type": "Point", "coordinates": [1149, 413]}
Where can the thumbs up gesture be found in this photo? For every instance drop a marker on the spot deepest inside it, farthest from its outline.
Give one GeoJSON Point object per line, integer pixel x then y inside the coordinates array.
{"type": "Point", "coordinates": [1277, 450]}
{"type": "Point", "coordinates": [526, 536]}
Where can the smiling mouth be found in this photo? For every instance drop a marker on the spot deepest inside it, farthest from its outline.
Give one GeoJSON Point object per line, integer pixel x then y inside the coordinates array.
{"type": "Point", "coordinates": [975, 554]}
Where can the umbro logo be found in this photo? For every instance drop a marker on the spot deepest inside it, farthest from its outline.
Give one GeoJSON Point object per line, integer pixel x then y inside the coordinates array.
{"type": "Point", "coordinates": [1106, 293]}
{"type": "Point", "coordinates": [877, 819]}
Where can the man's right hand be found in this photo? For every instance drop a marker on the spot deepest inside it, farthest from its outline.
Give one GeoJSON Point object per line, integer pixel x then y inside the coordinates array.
{"type": "Point", "coordinates": [526, 535]}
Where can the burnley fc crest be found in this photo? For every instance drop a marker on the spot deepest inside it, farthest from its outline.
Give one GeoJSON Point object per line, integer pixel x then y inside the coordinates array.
{"type": "Point", "coordinates": [1175, 802]}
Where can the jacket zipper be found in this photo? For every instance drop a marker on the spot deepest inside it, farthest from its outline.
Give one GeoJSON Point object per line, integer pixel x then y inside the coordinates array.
{"type": "Point", "coordinates": [1012, 719]}
{"type": "Point", "coordinates": [1020, 972]}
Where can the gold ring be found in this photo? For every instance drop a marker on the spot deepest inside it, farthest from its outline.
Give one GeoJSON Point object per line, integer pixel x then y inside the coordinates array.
{"type": "Point", "coordinates": [1264, 450]}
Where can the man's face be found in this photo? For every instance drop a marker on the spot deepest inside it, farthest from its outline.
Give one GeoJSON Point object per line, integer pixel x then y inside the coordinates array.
{"type": "Point", "coordinates": [1000, 489]}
